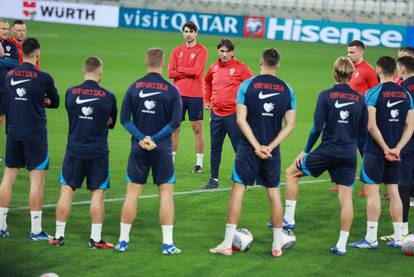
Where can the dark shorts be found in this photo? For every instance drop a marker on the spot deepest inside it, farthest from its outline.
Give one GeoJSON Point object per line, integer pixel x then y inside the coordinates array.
{"type": "Point", "coordinates": [376, 169]}
{"type": "Point", "coordinates": [194, 106]}
{"type": "Point", "coordinates": [341, 170]}
{"type": "Point", "coordinates": [75, 170]}
{"type": "Point", "coordinates": [249, 168]}
{"type": "Point", "coordinates": [159, 161]}
{"type": "Point", "coordinates": [407, 171]}
{"type": "Point", "coordinates": [32, 154]}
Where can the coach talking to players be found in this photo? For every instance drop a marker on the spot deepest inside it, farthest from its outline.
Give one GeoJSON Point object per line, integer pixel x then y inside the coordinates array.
{"type": "Point", "coordinates": [221, 84]}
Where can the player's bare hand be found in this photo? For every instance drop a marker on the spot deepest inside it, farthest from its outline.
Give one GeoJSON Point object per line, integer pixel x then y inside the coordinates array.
{"type": "Point", "coordinates": [110, 121]}
{"type": "Point", "coordinates": [143, 144]}
{"type": "Point", "coordinates": [1, 122]}
{"type": "Point", "coordinates": [1, 50]}
{"type": "Point", "coordinates": [47, 101]}
{"type": "Point", "coordinates": [299, 159]}
{"type": "Point", "coordinates": [146, 144]}
{"type": "Point", "coordinates": [207, 106]}
{"type": "Point", "coordinates": [392, 155]}
{"type": "Point", "coordinates": [266, 151]}
{"type": "Point", "coordinates": [150, 143]}
{"type": "Point", "coordinates": [262, 152]}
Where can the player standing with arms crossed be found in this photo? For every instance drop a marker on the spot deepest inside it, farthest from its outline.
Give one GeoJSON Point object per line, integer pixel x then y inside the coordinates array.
{"type": "Point", "coordinates": [186, 68]}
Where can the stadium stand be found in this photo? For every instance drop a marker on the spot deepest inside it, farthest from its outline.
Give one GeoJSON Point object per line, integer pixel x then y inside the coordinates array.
{"type": "Point", "coordinates": [399, 12]}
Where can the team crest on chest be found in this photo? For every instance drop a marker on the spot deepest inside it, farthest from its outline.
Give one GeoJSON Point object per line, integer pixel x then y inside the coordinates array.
{"type": "Point", "coordinates": [180, 55]}
{"type": "Point", "coordinates": [394, 114]}
{"type": "Point", "coordinates": [232, 70]}
{"type": "Point", "coordinates": [87, 111]}
{"type": "Point", "coordinates": [192, 56]}
{"type": "Point", "coordinates": [8, 48]}
{"type": "Point", "coordinates": [149, 105]}
{"type": "Point", "coordinates": [268, 107]}
{"type": "Point", "coordinates": [344, 114]}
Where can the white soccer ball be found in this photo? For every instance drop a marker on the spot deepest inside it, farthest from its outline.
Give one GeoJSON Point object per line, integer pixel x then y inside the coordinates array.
{"type": "Point", "coordinates": [242, 240]}
{"type": "Point", "coordinates": [289, 239]}
{"type": "Point", "coordinates": [49, 274]}
{"type": "Point", "coordinates": [408, 245]}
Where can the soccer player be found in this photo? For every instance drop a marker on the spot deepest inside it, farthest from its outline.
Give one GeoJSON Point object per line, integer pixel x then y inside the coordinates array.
{"type": "Point", "coordinates": [405, 67]}
{"type": "Point", "coordinates": [151, 111]}
{"type": "Point", "coordinates": [186, 68]}
{"type": "Point", "coordinates": [263, 102]}
{"type": "Point", "coordinates": [390, 127]}
{"type": "Point", "coordinates": [91, 111]}
{"type": "Point", "coordinates": [222, 82]}
{"type": "Point", "coordinates": [364, 78]}
{"type": "Point", "coordinates": [8, 60]}
{"type": "Point", "coordinates": [403, 52]}
{"type": "Point", "coordinates": [341, 115]}
{"type": "Point", "coordinates": [29, 91]}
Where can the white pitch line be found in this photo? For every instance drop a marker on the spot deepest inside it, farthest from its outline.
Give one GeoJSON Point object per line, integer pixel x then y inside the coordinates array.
{"type": "Point", "coordinates": [110, 200]}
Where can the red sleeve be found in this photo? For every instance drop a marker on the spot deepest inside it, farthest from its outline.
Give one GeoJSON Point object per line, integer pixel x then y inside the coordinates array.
{"type": "Point", "coordinates": [246, 73]}
{"type": "Point", "coordinates": [172, 67]}
{"type": "Point", "coordinates": [372, 78]}
{"type": "Point", "coordinates": [208, 86]}
{"type": "Point", "coordinates": [19, 49]}
{"type": "Point", "coordinates": [198, 68]}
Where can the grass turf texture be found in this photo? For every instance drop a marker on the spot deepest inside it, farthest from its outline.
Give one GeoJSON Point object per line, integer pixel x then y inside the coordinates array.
{"type": "Point", "coordinates": [200, 218]}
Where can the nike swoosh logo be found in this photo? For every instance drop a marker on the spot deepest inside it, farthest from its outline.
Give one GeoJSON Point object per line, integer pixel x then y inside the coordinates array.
{"type": "Point", "coordinates": [144, 95]}
{"type": "Point", "coordinates": [264, 96]}
{"type": "Point", "coordinates": [13, 82]}
{"type": "Point", "coordinates": [389, 104]}
{"type": "Point", "coordinates": [82, 101]}
{"type": "Point", "coordinates": [341, 105]}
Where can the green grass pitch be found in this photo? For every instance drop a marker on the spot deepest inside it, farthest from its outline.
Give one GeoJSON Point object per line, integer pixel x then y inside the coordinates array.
{"type": "Point", "coordinates": [200, 218]}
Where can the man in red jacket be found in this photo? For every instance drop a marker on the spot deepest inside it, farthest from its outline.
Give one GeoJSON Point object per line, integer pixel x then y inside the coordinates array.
{"type": "Point", "coordinates": [221, 85]}
{"type": "Point", "coordinates": [186, 68]}
{"type": "Point", "coordinates": [18, 31]}
{"type": "Point", "coordinates": [365, 76]}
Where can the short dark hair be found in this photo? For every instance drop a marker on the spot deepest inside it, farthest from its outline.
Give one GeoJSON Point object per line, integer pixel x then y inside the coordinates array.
{"type": "Point", "coordinates": [271, 57]}
{"type": "Point", "coordinates": [29, 46]}
{"type": "Point", "coordinates": [407, 49]}
{"type": "Point", "coordinates": [92, 64]}
{"type": "Point", "coordinates": [357, 43]}
{"type": "Point", "coordinates": [155, 57]}
{"type": "Point", "coordinates": [407, 62]}
{"type": "Point", "coordinates": [226, 42]}
{"type": "Point", "coordinates": [387, 64]}
{"type": "Point", "coordinates": [18, 22]}
{"type": "Point", "coordinates": [190, 25]}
